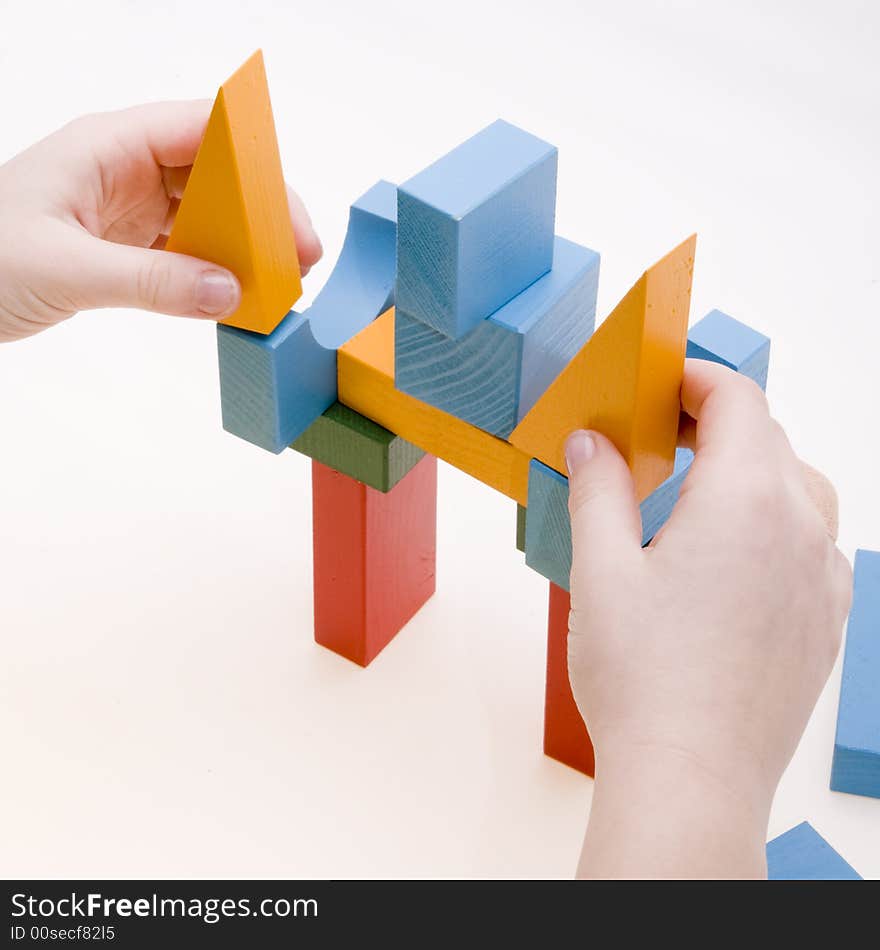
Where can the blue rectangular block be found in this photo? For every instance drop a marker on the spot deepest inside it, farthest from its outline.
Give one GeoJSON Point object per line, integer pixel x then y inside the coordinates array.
{"type": "Point", "coordinates": [856, 764]}
{"type": "Point", "coordinates": [721, 339]}
{"type": "Point", "coordinates": [802, 854]}
{"type": "Point", "coordinates": [475, 228]}
{"type": "Point", "coordinates": [494, 374]}
{"type": "Point", "coordinates": [548, 528]}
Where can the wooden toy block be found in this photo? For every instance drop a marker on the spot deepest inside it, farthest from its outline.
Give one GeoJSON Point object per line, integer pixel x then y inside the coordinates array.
{"type": "Point", "coordinates": [374, 557]}
{"type": "Point", "coordinates": [625, 381]}
{"type": "Point", "coordinates": [366, 384]}
{"type": "Point", "coordinates": [272, 388]}
{"type": "Point", "coordinates": [856, 765]}
{"type": "Point", "coordinates": [802, 854]}
{"type": "Point", "coordinates": [234, 209]}
{"type": "Point", "coordinates": [475, 228]}
{"type": "Point", "coordinates": [548, 527]}
{"type": "Point", "coordinates": [495, 373]}
{"type": "Point", "coordinates": [565, 736]}
{"type": "Point", "coordinates": [348, 442]}
{"type": "Point", "coordinates": [521, 528]}
{"type": "Point", "coordinates": [721, 339]}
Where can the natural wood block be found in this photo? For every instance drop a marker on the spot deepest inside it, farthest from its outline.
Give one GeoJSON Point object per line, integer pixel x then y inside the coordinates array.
{"type": "Point", "coordinates": [374, 557]}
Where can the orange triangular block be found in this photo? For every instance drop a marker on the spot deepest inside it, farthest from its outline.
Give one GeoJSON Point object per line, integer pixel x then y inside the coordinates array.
{"type": "Point", "coordinates": [625, 381]}
{"type": "Point", "coordinates": [234, 209]}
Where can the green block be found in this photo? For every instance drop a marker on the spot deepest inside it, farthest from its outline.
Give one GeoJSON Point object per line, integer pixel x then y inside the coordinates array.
{"type": "Point", "coordinates": [521, 528]}
{"type": "Point", "coordinates": [356, 446]}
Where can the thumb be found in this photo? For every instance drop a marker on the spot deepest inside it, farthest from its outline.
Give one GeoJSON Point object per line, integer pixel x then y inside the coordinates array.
{"type": "Point", "coordinates": [606, 527]}
{"type": "Point", "coordinates": [103, 274]}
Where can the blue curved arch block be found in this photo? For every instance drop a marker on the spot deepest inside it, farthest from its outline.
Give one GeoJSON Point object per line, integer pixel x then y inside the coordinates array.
{"type": "Point", "coordinates": [272, 388]}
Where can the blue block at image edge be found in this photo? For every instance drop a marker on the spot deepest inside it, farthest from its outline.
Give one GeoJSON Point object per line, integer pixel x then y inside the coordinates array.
{"type": "Point", "coordinates": [856, 763]}
{"type": "Point", "coordinates": [273, 387]}
{"type": "Point", "coordinates": [492, 376]}
{"type": "Point", "coordinates": [802, 854]}
{"type": "Point", "coordinates": [475, 228]}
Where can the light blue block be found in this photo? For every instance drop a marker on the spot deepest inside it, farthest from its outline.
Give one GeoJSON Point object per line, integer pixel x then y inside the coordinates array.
{"type": "Point", "coordinates": [856, 764]}
{"type": "Point", "coordinates": [272, 388]}
{"type": "Point", "coordinates": [494, 374]}
{"type": "Point", "coordinates": [721, 339]}
{"type": "Point", "coordinates": [548, 527]}
{"type": "Point", "coordinates": [802, 854]}
{"type": "Point", "coordinates": [475, 228]}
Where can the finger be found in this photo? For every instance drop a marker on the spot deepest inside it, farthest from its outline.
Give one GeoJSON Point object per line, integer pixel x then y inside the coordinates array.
{"type": "Point", "coordinates": [308, 244]}
{"type": "Point", "coordinates": [170, 215]}
{"type": "Point", "coordinates": [100, 273]}
{"type": "Point", "coordinates": [606, 527]}
{"type": "Point", "coordinates": [687, 432]}
{"type": "Point", "coordinates": [730, 411]}
{"type": "Point", "coordinates": [175, 179]}
{"type": "Point", "coordinates": [172, 131]}
{"type": "Point", "coordinates": [823, 496]}
{"type": "Point", "coordinates": [160, 243]}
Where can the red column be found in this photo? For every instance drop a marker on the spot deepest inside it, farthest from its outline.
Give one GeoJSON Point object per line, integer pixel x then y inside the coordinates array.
{"type": "Point", "coordinates": [565, 735]}
{"type": "Point", "coordinates": [374, 557]}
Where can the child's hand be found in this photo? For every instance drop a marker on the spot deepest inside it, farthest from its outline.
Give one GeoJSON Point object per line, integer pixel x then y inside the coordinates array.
{"type": "Point", "coordinates": [85, 212]}
{"type": "Point", "coordinates": [697, 661]}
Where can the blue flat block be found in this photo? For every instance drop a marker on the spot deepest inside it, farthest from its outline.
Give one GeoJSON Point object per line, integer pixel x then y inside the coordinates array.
{"type": "Point", "coordinates": [802, 854]}
{"type": "Point", "coordinates": [272, 388]}
{"type": "Point", "coordinates": [494, 374]}
{"type": "Point", "coordinates": [475, 228]}
{"type": "Point", "coordinates": [856, 764]}
{"type": "Point", "coordinates": [721, 339]}
{"type": "Point", "coordinates": [548, 528]}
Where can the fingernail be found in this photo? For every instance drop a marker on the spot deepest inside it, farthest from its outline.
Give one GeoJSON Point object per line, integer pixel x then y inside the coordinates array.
{"type": "Point", "coordinates": [217, 293]}
{"type": "Point", "coordinates": [580, 447]}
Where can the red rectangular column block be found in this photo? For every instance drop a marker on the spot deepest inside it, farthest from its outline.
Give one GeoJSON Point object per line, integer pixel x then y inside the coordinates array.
{"type": "Point", "coordinates": [375, 557]}
{"type": "Point", "coordinates": [565, 735]}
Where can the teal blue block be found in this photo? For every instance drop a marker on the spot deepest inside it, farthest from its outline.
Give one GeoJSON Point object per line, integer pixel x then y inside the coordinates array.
{"type": "Point", "coordinates": [721, 339]}
{"type": "Point", "coordinates": [548, 528]}
{"type": "Point", "coordinates": [475, 228]}
{"type": "Point", "coordinates": [272, 388]}
{"type": "Point", "coordinates": [494, 374]}
{"type": "Point", "coordinates": [856, 764]}
{"type": "Point", "coordinates": [802, 854]}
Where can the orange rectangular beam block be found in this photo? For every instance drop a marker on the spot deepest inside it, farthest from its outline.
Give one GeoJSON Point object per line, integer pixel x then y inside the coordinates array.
{"type": "Point", "coordinates": [234, 208]}
{"type": "Point", "coordinates": [374, 557]}
{"type": "Point", "coordinates": [565, 735]}
{"type": "Point", "coordinates": [366, 384]}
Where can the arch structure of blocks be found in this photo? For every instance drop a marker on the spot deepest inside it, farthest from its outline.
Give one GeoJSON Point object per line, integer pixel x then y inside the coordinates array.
{"type": "Point", "coordinates": [456, 325]}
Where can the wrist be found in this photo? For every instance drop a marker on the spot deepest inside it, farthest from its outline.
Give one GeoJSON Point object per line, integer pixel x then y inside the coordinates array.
{"type": "Point", "coordinates": [662, 812]}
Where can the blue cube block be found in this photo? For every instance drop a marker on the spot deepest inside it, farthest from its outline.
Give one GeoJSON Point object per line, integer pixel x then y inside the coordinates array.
{"type": "Point", "coordinates": [856, 764]}
{"type": "Point", "coordinates": [721, 339]}
{"type": "Point", "coordinates": [272, 388]}
{"type": "Point", "coordinates": [494, 374]}
{"type": "Point", "coordinates": [475, 228]}
{"type": "Point", "coordinates": [802, 854]}
{"type": "Point", "coordinates": [548, 527]}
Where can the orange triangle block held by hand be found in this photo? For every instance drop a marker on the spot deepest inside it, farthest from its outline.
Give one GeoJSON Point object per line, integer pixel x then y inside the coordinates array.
{"type": "Point", "coordinates": [625, 381]}
{"type": "Point", "coordinates": [234, 209]}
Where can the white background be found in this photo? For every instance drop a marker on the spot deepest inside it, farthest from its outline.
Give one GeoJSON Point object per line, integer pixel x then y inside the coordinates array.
{"type": "Point", "coordinates": [164, 712]}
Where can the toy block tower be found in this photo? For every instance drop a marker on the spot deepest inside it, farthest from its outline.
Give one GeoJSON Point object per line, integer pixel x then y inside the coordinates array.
{"type": "Point", "coordinates": [491, 306]}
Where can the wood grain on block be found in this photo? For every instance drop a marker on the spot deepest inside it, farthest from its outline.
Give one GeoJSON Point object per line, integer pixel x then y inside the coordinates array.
{"type": "Point", "coordinates": [721, 339]}
{"type": "Point", "coordinates": [272, 388]}
{"type": "Point", "coordinates": [374, 557]}
{"type": "Point", "coordinates": [366, 384]}
{"type": "Point", "coordinates": [496, 372]}
{"type": "Point", "coordinates": [625, 381]}
{"type": "Point", "coordinates": [475, 228]}
{"type": "Point", "coordinates": [234, 209]}
{"type": "Point", "coordinates": [802, 854]}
